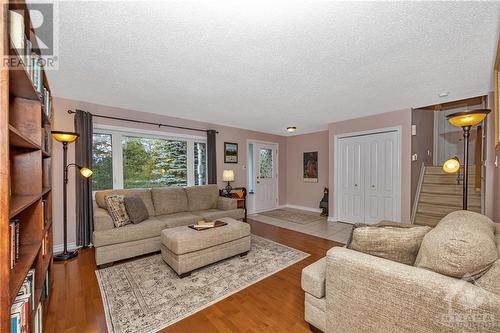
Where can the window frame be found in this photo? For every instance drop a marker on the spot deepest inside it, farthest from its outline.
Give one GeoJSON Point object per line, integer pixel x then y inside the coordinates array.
{"type": "Point", "coordinates": [117, 133]}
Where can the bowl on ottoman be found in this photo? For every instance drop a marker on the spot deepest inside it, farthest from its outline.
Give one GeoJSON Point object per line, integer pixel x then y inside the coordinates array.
{"type": "Point", "coordinates": [185, 249]}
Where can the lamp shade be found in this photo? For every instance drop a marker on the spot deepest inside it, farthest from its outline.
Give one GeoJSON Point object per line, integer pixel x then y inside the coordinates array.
{"type": "Point", "coordinates": [86, 172]}
{"type": "Point", "coordinates": [228, 175]}
{"type": "Point", "coordinates": [468, 118]}
{"type": "Point", "coordinates": [452, 165]}
{"type": "Point", "coordinates": [65, 137]}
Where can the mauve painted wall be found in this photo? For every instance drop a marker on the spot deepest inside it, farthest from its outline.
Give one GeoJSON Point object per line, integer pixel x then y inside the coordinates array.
{"type": "Point", "coordinates": [400, 118]}
{"type": "Point", "coordinates": [64, 121]}
{"type": "Point", "coordinates": [421, 143]}
{"type": "Point", "coordinates": [300, 193]}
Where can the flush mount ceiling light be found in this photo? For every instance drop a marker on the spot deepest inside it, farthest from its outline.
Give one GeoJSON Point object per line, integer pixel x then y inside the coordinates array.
{"type": "Point", "coordinates": [291, 129]}
{"type": "Point", "coordinates": [444, 94]}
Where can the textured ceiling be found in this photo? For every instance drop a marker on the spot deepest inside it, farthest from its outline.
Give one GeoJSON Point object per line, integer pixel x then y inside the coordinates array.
{"type": "Point", "coordinates": [268, 65]}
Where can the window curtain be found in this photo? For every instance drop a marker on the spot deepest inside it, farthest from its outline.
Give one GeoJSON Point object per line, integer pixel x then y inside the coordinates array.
{"type": "Point", "coordinates": [83, 157]}
{"type": "Point", "coordinates": [211, 157]}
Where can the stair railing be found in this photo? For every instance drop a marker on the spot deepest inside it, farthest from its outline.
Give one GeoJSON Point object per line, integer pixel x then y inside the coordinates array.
{"type": "Point", "coordinates": [417, 194]}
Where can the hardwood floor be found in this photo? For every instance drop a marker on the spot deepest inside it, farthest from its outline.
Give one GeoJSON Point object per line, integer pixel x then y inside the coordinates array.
{"type": "Point", "coordinates": [275, 304]}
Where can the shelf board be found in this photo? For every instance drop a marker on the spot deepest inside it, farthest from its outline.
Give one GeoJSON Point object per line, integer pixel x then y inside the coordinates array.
{"type": "Point", "coordinates": [17, 139]}
{"type": "Point", "coordinates": [27, 256]}
{"type": "Point", "coordinates": [18, 203]}
{"type": "Point", "coordinates": [46, 190]}
{"type": "Point", "coordinates": [46, 262]}
{"type": "Point", "coordinates": [45, 154]}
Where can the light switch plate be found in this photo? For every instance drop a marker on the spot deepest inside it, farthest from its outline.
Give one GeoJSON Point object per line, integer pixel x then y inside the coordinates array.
{"type": "Point", "coordinates": [413, 129]}
{"type": "Point", "coordinates": [414, 157]}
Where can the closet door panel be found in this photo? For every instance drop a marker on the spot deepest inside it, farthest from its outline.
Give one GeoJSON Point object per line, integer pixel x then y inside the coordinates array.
{"type": "Point", "coordinates": [351, 193]}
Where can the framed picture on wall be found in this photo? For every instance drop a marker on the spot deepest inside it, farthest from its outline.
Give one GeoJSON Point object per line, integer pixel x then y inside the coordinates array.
{"type": "Point", "coordinates": [311, 167]}
{"type": "Point", "coordinates": [230, 152]}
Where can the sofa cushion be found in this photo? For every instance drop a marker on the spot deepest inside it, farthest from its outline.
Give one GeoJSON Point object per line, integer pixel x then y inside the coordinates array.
{"type": "Point", "coordinates": [131, 232]}
{"type": "Point", "coordinates": [313, 278]}
{"type": "Point", "coordinates": [178, 219]}
{"type": "Point", "coordinates": [169, 200]}
{"type": "Point", "coordinates": [136, 209]}
{"type": "Point", "coordinates": [388, 240]}
{"type": "Point", "coordinates": [143, 193]}
{"type": "Point", "coordinates": [202, 197]}
{"type": "Point", "coordinates": [491, 279]}
{"type": "Point", "coordinates": [182, 240]}
{"type": "Point", "coordinates": [116, 209]}
{"type": "Point", "coordinates": [462, 245]}
{"type": "Point", "coordinates": [102, 219]}
{"type": "Point", "coordinates": [214, 214]}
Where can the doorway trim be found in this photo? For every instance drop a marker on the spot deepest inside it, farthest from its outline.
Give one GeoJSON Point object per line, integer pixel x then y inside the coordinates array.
{"type": "Point", "coordinates": [251, 208]}
{"type": "Point", "coordinates": [337, 137]}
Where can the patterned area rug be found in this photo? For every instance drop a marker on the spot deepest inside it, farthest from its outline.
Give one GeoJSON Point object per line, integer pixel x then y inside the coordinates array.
{"type": "Point", "coordinates": [294, 215]}
{"type": "Point", "coordinates": [145, 295]}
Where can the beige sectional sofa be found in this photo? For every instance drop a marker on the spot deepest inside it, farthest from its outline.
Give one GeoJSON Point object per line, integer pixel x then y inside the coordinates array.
{"type": "Point", "coordinates": [168, 207]}
{"type": "Point", "coordinates": [351, 291]}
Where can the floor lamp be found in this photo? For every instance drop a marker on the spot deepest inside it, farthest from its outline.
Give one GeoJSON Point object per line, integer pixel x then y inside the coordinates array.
{"type": "Point", "coordinates": [65, 138]}
{"type": "Point", "coordinates": [466, 120]}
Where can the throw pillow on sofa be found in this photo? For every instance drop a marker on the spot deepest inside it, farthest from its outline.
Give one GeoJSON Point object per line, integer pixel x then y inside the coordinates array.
{"type": "Point", "coordinates": [389, 240]}
{"type": "Point", "coordinates": [116, 208]}
{"type": "Point", "coordinates": [136, 209]}
{"type": "Point", "coordinates": [462, 245]}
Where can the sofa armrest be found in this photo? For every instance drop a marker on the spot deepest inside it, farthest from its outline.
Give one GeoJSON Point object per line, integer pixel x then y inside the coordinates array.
{"type": "Point", "coordinates": [370, 294]}
{"type": "Point", "coordinates": [102, 219]}
{"type": "Point", "coordinates": [227, 203]}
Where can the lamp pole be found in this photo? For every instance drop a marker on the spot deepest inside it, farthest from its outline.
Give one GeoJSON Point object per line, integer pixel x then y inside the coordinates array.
{"type": "Point", "coordinates": [466, 166]}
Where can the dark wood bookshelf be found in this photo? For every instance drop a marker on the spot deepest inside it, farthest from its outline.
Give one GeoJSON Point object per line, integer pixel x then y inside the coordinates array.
{"type": "Point", "coordinates": [25, 175]}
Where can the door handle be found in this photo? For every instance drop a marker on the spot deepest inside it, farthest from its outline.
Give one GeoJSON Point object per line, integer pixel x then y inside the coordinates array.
{"type": "Point", "coordinates": [258, 182]}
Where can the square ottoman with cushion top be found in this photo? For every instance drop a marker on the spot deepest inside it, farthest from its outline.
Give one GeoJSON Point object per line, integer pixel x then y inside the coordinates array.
{"type": "Point", "coordinates": [185, 249]}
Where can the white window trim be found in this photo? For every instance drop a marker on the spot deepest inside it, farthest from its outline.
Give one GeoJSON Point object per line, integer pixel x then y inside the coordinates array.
{"type": "Point", "coordinates": [117, 134]}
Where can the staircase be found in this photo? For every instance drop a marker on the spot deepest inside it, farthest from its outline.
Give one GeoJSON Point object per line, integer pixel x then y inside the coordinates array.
{"type": "Point", "coordinates": [441, 194]}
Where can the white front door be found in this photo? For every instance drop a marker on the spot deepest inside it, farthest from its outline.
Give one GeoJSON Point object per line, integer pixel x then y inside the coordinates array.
{"type": "Point", "coordinates": [266, 177]}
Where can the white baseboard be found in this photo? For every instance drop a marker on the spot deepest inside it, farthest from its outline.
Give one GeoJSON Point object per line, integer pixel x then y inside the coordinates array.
{"type": "Point", "coordinates": [332, 219]}
{"type": "Point", "coordinates": [309, 209]}
{"type": "Point", "coordinates": [60, 247]}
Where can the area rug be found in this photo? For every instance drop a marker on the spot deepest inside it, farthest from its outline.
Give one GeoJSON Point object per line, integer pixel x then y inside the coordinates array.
{"type": "Point", "coordinates": [145, 295]}
{"type": "Point", "coordinates": [294, 215]}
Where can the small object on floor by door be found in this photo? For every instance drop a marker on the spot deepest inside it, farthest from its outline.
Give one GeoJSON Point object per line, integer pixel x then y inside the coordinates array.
{"type": "Point", "coordinates": [323, 204]}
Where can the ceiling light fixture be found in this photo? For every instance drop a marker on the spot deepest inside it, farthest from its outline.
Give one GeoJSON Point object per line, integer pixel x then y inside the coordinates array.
{"type": "Point", "coordinates": [291, 129]}
{"type": "Point", "coordinates": [443, 94]}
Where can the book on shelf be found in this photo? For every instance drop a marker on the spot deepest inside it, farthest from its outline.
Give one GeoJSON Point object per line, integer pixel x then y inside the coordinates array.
{"type": "Point", "coordinates": [45, 245]}
{"type": "Point", "coordinates": [46, 285]}
{"type": "Point", "coordinates": [14, 241]}
{"type": "Point", "coordinates": [38, 321]}
{"type": "Point", "coordinates": [37, 73]}
{"type": "Point", "coordinates": [24, 305]}
{"type": "Point", "coordinates": [44, 213]}
{"type": "Point", "coordinates": [16, 29]}
{"type": "Point", "coordinates": [47, 103]}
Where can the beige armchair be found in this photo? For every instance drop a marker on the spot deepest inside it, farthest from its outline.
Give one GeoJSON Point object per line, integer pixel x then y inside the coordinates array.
{"type": "Point", "coordinates": [350, 291]}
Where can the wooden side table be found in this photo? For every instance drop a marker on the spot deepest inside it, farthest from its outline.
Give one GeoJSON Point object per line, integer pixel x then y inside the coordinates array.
{"type": "Point", "coordinates": [240, 195]}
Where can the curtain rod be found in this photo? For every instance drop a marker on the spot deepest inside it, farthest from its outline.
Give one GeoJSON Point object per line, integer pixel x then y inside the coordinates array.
{"type": "Point", "coordinates": [146, 122]}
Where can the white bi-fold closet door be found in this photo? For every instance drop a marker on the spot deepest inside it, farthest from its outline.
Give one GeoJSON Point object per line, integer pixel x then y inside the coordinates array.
{"type": "Point", "coordinates": [368, 176]}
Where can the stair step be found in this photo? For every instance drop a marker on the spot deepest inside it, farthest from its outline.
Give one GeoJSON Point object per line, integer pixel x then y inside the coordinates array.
{"type": "Point", "coordinates": [445, 179]}
{"type": "Point", "coordinates": [441, 210]}
{"type": "Point", "coordinates": [428, 220]}
{"type": "Point", "coordinates": [437, 170]}
{"type": "Point", "coordinates": [450, 199]}
{"type": "Point", "coordinates": [448, 189]}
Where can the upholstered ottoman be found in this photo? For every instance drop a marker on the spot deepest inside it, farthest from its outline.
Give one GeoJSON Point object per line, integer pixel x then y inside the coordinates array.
{"type": "Point", "coordinates": [185, 249]}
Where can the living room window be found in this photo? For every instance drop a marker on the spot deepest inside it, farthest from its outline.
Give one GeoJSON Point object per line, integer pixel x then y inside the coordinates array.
{"type": "Point", "coordinates": [128, 158]}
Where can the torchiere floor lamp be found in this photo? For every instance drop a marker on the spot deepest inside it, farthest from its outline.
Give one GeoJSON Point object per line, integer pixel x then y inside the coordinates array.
{"type": "Point", "coordinates": [65, 138]}
{"type": "Point", "coordinates": [466, 120]}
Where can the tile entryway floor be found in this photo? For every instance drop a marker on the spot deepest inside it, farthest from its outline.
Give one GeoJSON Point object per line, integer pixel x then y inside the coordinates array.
{"type": "Point", "coordinates": [335, 231]}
